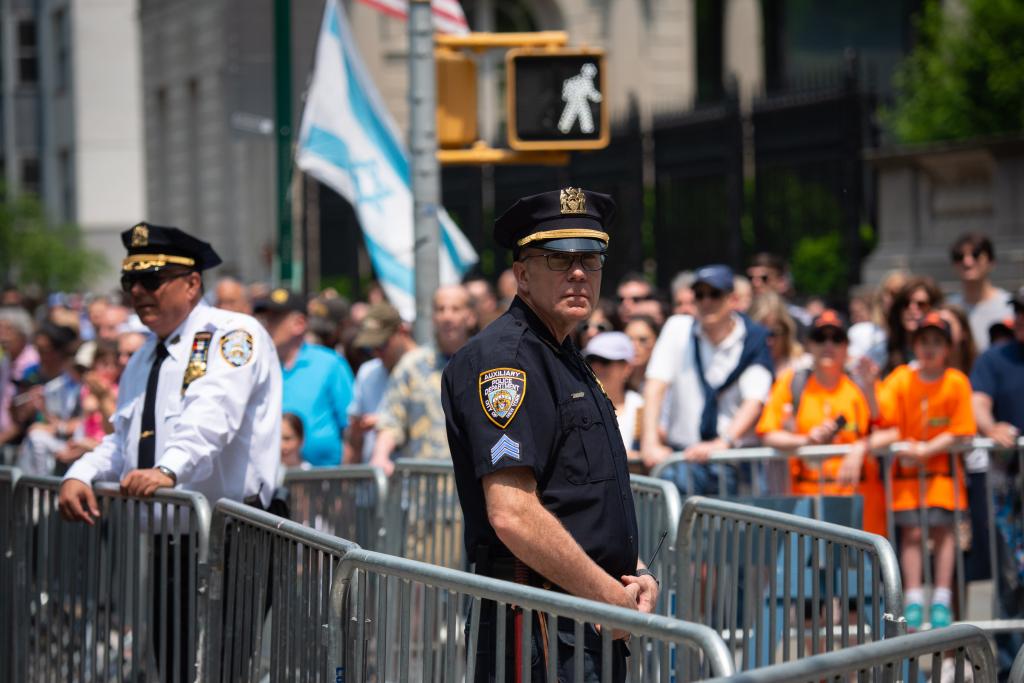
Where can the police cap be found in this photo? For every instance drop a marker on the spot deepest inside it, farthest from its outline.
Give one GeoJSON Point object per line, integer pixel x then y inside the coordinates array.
{"type": "Point", "coordinates": [153, 247]}
{"type": "Point", "coordinates": [571, 220]}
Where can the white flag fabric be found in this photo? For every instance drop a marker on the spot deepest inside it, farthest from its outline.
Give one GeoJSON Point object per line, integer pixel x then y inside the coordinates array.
{"type": "Point", "coordinates": [448, 15]}
{"type": "Point", "coordinates": [349, 142]}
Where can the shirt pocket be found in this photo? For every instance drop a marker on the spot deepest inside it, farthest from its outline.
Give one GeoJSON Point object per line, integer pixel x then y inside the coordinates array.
{"type": "Point", "coordinates": [586, 456]}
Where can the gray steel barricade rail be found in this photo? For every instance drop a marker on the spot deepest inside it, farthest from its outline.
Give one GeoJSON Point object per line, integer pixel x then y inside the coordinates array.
{"type": "Point", "coordinates": [424, 517]}
{"type": "Point", "coordinates": [111, 601]}
{"type": "Point", "coordinates": [780, 586]}
{"type": "Point", "coordinates": [1017, 670]}
{"type": "Point", "coordinates": [8, 479]}
{"type": "Point", "coordinates": [960, 652]}
{"type": "Point", "coordinates": [347, 502]}
{"type": "Point", "coordinates": [658, 507]}
{"type": "Point", "coordinates": [258, 563]}
{"type": "Point", "coordinates": [404, 620]}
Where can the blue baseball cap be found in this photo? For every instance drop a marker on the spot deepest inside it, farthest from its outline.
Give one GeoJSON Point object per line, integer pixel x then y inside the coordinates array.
{"type": "Point", "coordinates": [717, 276]}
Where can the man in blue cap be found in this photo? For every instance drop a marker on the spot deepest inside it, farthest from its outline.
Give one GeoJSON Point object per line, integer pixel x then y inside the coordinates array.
{"type": "Point", "coordinates": [539, 461]}
{"type": "Point", "coordinates": [719, 370]}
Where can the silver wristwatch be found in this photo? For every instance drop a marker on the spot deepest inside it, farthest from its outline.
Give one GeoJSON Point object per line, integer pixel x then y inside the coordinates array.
{"type": "Point", "coordinates": [170, 473]}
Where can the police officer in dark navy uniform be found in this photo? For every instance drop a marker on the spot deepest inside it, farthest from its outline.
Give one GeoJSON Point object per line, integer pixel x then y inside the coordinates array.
{"type": "Point", "coordinates": [539, 462]}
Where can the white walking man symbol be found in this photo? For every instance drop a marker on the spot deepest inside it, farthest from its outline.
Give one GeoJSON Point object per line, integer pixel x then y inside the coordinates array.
{"type": "Point", "coordinates": [577, 93]}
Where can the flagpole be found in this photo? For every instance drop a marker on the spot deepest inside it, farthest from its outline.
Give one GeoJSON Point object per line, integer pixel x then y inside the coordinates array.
{"type": "Point", "coordinates": [426, 175]}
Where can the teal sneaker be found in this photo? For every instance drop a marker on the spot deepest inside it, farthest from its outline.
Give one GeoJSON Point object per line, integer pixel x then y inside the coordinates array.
{"type": "Point", "coordinates": [940, 616]}
{"type": "Point", "coordinates": [914, 614]}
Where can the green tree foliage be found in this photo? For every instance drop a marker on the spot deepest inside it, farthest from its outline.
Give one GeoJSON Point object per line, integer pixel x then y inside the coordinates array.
{"type": "Point", "coordinates": [965, 77]}
{"type": "Point", "coordinates": [35, 252]}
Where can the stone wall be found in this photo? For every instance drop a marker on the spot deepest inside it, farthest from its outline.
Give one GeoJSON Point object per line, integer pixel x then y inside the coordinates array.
{"type": "Point", "coordinates": [929, 196]}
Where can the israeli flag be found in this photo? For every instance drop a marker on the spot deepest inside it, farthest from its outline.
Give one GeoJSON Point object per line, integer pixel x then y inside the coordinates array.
{"type": "Point", "coordinates": [349, 142]}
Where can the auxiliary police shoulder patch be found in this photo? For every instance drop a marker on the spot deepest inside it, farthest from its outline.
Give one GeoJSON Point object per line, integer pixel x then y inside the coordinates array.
{"type": "Point", "coordinates": [502, 391]}
{"type": "Point", "coordinates": [236, 347]}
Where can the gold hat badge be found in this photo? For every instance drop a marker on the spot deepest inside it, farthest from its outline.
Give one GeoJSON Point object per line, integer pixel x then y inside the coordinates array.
{"type": "Point", "coordinates": [573, 200]}
{"type": "Point", "coordinates": [279, 296]}
{"type": "Point", "coordinates": [140, 236]}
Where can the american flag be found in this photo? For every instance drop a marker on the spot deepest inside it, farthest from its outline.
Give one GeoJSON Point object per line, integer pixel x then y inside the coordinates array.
{"type": "Point", "coordinates": [448, 16]}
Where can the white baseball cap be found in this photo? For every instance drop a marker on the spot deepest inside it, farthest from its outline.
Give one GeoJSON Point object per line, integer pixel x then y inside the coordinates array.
{"type": "Point", "coordinates": [610, 346]}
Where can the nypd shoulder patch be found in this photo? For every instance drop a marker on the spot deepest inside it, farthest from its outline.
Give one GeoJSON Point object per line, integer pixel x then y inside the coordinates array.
{"type": "Point", "coordinates": [504, 448]}
{"type": "Point", "coordinates": [502, 391]}
{"type": "Point", "coordinates": [236, 347]}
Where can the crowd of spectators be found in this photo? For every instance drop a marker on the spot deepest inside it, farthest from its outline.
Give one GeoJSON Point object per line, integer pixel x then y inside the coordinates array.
{"type": "Point", "coordinates": [721, 361]}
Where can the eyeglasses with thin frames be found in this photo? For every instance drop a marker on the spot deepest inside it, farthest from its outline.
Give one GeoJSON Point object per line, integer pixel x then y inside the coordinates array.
{"type": "Point", "coordinates": [560, 261]}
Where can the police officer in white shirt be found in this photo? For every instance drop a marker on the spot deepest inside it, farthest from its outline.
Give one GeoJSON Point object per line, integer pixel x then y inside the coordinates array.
{"type": "Point", "coordinates": [199, 405]}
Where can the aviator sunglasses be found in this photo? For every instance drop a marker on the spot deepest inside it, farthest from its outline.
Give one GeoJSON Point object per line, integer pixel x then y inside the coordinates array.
{"type": "Point", "coordinates": [150, 281]}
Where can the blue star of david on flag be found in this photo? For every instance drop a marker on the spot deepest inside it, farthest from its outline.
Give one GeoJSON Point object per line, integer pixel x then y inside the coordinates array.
{"type": "Point", "coordinates": [504, 448]}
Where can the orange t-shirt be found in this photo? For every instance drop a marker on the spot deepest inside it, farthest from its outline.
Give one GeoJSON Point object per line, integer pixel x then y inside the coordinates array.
{"type": "Point", "coordinates": [818, 404]}
{"type": "Point", "coordinates": [921, 411]}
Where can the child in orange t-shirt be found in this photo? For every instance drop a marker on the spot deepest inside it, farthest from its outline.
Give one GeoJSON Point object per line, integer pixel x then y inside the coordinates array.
{"type": "Point", "coordinates": [828, 394]}
{"type": "Point", "coordinates": [928, 405]}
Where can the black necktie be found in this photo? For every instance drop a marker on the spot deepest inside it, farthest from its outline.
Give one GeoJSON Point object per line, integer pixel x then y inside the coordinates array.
{"type": "Point", "coordinates": [147, 434]}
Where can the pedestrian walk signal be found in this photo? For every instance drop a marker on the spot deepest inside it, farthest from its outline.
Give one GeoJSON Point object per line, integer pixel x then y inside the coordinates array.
{"type": "Point", "coordinates": [556, 99]}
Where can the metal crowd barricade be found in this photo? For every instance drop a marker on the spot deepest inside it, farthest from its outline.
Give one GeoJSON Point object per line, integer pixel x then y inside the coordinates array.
{"type": "Point", "coordinates": [658, 507]}
{"type": "Point", "coordinates": [260, 563]}
{"type": "Point", "coordinates": [779, 586]}
{"type": "Point", "coordinates": [765, 471]}
{"type": "Point", "coordinates": [407, 620]}
{"type": "Point", "coordinates": [347, 502]}
{"type": "Point", "coordinates": [424, 517]}
{"type": "Point", "coordinates": [8, 479]}
{"type": "Point", "coordinates": [113, 601]}
{"type": "Point", "coordinates": [1017, 670]}
{"type": "Point", "coordinates": [960, 652]}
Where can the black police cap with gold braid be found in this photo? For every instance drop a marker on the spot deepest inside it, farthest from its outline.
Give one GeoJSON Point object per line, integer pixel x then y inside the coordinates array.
{"type": "Point", "coordinates": [153, 247]}
{"type": "Point", "coordinates": [564, 220]}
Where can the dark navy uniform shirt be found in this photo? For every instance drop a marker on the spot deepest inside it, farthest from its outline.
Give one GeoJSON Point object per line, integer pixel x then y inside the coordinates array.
{"type": "Point", "coordinates": [514, 397]}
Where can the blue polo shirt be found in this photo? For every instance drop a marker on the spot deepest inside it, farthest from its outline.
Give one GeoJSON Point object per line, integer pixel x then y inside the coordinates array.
{"type": "Point", "coordinates": [318, 388]}
{"type": "Point", "coordinates": [999, 373]}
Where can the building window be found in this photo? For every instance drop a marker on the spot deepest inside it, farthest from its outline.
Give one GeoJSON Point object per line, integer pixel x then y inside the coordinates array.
{"type": "Point", "coordinates": [61, 48]}
{"type": "Point", "coordinates": [28, 56]}
{"type": "Point", "coordinates": [30, 175]}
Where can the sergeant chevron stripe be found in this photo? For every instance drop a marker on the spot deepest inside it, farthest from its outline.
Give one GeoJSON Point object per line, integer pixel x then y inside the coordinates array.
{"type": "Point", "coordinates": [505, 447]}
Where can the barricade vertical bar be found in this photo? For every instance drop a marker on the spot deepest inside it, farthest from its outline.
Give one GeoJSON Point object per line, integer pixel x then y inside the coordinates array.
{"type": "Point", "coordinates": [844, 592]}
{"type": "Point", "coordinates": [734, 580]}
{"type": "Point", "coordinates": [830, 595]}
{"type": "Point", "coordinates": [815, 595]}
{"type": "Point", "coordinates": [500, 641]}
{"type": "Point", "coordinates": [787, 563]}
{"type": "Point", "coordinates": [553, 648]}
{"type": "Point", "coordinates": [773, 591]}
{"type": "Point", "coordinates": [861, 614]}
{"type": "Point", "coordinates": [577, 653]}
{"type": "Point", "coordinates": [757, 569]}
{"type": "Point", "coordinates": [961, 578]}
{"type": "Point", "coordinates": [801, 601]}
{"type": "Point", "coordinates": [749, 592]}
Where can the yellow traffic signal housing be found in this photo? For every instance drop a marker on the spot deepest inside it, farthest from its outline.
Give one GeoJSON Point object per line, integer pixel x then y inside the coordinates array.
{"type": "Point", "coordinates": [456, 99]}
{"type": "Point", "coordinates": [556, 99]}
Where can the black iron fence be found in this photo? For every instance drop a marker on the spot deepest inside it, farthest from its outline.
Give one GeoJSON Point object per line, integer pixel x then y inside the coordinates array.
{"type": "Point", "coordinates": [713, 184]}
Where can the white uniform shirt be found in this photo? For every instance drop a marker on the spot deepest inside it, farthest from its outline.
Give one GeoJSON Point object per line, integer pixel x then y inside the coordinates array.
{"type": "Point", "coordinates": [672, 362]}
{"type": "Point", "coordinates": [222, 436]}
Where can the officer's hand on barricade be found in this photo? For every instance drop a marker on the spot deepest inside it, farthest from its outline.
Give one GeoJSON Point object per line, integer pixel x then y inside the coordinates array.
{"type": "Point", "coordinates": [144, 483]}
{"type": "Point", "coordinates": [1004, 434]}
{"type": "Point", "coordinates": [653, 452]}
{"type": "Point", "coordinates": [77, 503]}
{"type": "Point", "coordinates": [913, 452]}
{"type": "Point", "coordinates": [647, 597]}
{"type": "Point", "coordinates": [629, 599]}
{"type": "Point", "coordinates": [851, 464]}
